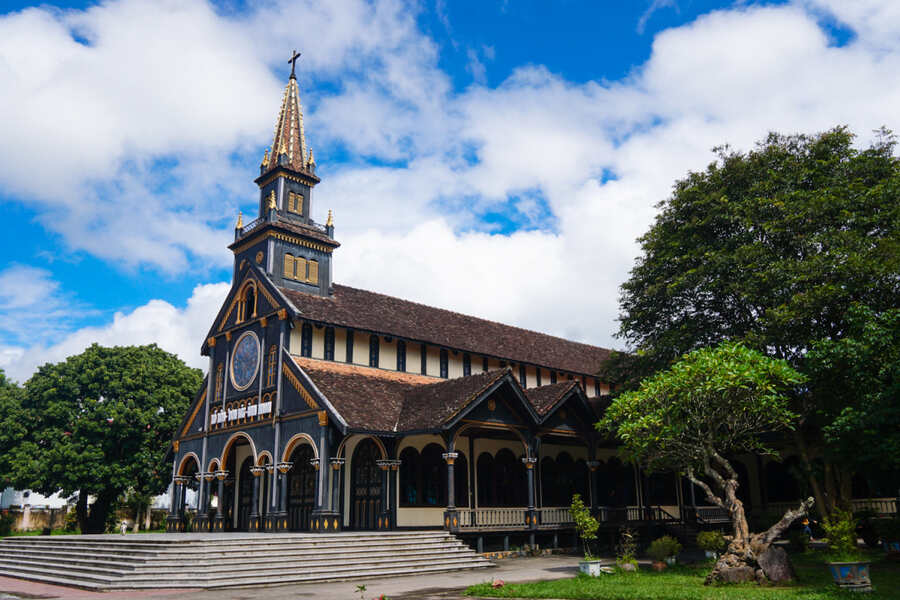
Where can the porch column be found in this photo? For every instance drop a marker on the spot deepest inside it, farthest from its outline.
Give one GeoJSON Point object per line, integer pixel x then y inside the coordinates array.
{"type": "Point", "coordinates": [383, 518]}
{"type": "Point", "coordinates": [272, 500]}
{"type": "Point", "coordinates": [281, 521]}
{"type": "Point", "coordinates": [531, 515]}
{"type": "Point", "coordinates": [336, 464]}
{"type": "Point", "coordinates": [202, 519]}
{"type": "Point", "coordinates": [254, 507]}
{"type": "Point", "coordinates": [220, 511]}
{"type": "Point", "coordinates": [593, 465]}
{"type": "Point", "coordinates": [451, 515]}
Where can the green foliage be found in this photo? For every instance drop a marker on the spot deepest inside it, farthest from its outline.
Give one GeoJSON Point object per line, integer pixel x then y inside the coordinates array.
{"type": "Point", "coordinates": [6, 523]}
{"type": "Point", "coordinates": [626, 551]}
{"type": "Point", "coordinates": [713, 541]}
{"type": "Point", "coordinates": [857, 383]}
{"type": "Point", "coordinates": [770, 247]}
{"type": "Point", "coordinates": [12, 428]}
{"type": "Point", "coordinates": [585, 524]}
{"type": "Point", "coordinates": [664, 547]}
{"type": "Point", "coordinates": [99, 422]}
{"type": "Point", "coordinates": [840, 527]}
{"type": "Point", "coordinates": [717, 399]}
{"type": "Point", "coordinates": [71, 523]}
{"type": "Point", "coordinates": [685, 582]}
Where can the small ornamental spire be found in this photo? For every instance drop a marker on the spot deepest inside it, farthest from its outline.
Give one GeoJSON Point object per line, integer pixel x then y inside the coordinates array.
{"type": "Point", "coordinates": [265, 158]}
{"type": "Point", "coordinates": [240, 221]}
{"type": "Point", "coordinates": [272, 205]}
{"type": "Point", "coordinates": [330, 221]}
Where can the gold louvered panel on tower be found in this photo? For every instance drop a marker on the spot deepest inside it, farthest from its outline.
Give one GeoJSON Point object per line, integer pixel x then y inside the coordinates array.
{"type": "Point", "coordinates": [313, 272]}
{"type": "Point", "coordinates": [289, 266]}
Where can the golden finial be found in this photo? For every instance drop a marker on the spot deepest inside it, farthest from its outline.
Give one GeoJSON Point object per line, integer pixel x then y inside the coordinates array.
{"type": "Point", "coordinates": [265, 158]}
{"type": "Point", "coordinates": [272, 200]}
{"type": "Point", "coordinates": [330, 221]}
{"type": "Point", "coordinates": [312, 159]}
{"type": "Point", "coordinates": [282, 149]}
{"type": "Point", "coordinates": [240, 223]}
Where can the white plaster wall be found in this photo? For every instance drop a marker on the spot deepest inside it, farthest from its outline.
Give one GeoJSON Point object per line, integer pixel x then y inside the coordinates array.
{"type": "Point", "coordinates": [589, 387]}
{"type": "Point", "coordinates": [360, 348]}
{"type": "Point", "coordinates": [493, 364]}
{"type": "Point", "coordinates": [420, 517]}
{"type": "Point", "coordinates": [531, 377]}
{"type": "Point", "coordinates": [454, 364]}
{"type": "Point", "coordinates": [295, 338]}
{"type": "Point", "coordinates": [387, 354]}
{"type": "Point", "coordinates": [413, 357]}
{"type": "Point", "coordinates": [340, 344]}
{"type": "Point", "coordinates": [318, 342]}
{"type": "Point", "coordinates": [434, 361]}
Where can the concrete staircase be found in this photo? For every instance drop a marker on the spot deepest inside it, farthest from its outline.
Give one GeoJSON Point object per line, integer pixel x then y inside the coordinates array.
{"type": "Point", "coordinates": [181, 561]}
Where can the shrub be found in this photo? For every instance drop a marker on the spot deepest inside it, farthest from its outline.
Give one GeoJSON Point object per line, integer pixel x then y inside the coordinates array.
{"type": "Point", "coordinates": [840, 527]}
{"type": "Point", "coordinates": [6, 523]}
{"type": "Point", "coordinates": [71, 520]}
{"type": "Point", "coordinates": [585, 524]}
{"type": "Point", "coordinates": [713, 541]}
{"type": "Point", "coordinates": [626, 552]}
{"type": "Point", "coordinates": [664, 547]}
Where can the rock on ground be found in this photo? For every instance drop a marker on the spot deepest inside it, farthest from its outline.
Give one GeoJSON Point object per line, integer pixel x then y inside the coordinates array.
{"type": "Point", "coordinates": [776, 564]}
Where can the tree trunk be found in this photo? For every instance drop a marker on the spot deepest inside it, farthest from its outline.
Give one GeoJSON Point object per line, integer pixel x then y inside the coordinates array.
{"type": "Point", "coordinates": [741, 561]}
{"type": "Point", "coordinates": [148, 516]}
{"type": "Point", "coordinates": [81, 511]}
{"type": "Point", "coordinates": [813, 482]}
{"type": "Point", "coordinates": [96, 522]}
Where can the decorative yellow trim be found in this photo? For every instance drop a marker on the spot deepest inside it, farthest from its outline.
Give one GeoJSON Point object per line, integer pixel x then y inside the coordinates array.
{"type": "Point", "coordinates": [330, 221]}
{"type": "Point", "coordinates": [287, 176]}
{"type": "Point", "coordinates": [302, 391]}
{"type": "Point", "coordinates": [282, 314]}
{"type": "Point", "coordinates": [228, 336]}
{"type": "Point", "coordinates": [193, 415]}
{"type": "Point", "coordinates": [175, 445]}
{"type": "Point", "coordinates": [285, 238]}
{"type": "Point", "coordinates": [264, 321]}
{"type": "Point", "coordinates": [211, 342]}
{"type": "Point", "coordinates": [259, 257]}
{"type": "Point", "coordinates": [323, 418]}
{"type": "Point", "coordinates": [240, 221]}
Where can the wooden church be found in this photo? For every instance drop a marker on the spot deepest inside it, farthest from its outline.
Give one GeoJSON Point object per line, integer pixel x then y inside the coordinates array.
{"type": "Point", "coordinates": [328, 407]}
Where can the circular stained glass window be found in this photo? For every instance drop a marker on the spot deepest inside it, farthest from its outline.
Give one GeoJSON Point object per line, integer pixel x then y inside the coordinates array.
{"type": "Point", "coordinates": [245, 361]}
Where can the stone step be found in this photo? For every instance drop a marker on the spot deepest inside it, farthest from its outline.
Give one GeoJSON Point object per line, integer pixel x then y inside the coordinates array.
{"type": "Point", "coordinates": [200, 551]}
{"type": "Point", "coordinates": [105, 563]}
{"type": "Point", "coordinates": [236, 564]}
{"type": "Point", "coordinates": [180, 557]}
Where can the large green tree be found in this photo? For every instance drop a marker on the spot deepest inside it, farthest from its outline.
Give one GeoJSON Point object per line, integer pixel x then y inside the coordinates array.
{"type": "Point", "coordinates": [711, 404]}
{"type": "Point", "coordinates": [11, 428]}
{"type": "Point", "coordinates": [771, 247]}
{"type": "Point", "coordinates": [857, 385]}
{"type": "Point", "coordinates": [99, 424]}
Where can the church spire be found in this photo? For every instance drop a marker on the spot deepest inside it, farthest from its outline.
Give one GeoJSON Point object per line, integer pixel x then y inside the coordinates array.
{"type": "Point", "coordinates": [289, 143]}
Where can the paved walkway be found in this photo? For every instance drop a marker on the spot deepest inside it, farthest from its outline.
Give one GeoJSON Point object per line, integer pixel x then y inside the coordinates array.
{"type": "Point", "coordinates": [445, 586]}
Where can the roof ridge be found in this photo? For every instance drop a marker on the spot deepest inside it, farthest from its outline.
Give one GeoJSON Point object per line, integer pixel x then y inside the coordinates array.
{"type": "Point", "coordinates": [340, 285]}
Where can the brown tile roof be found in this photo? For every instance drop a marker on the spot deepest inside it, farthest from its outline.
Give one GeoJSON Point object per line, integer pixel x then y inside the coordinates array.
{"type": "Point", "coordinates": [369, 311]}
{"type": "Point", "coordinates": [544, 398]}
{"type": "Point", "coordinates": [381, 400]}
{"type": "Point", "coordinates": [306, 230]}
{"type": "Point", "coordinates": [430, 406]}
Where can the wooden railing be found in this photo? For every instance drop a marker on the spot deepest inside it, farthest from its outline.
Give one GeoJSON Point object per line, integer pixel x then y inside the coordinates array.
{"type": "Point", "coordinates": [883, 507]}
{"type": "Point", "coordinates": [555, 516]}
{"type": "Point", "coordinates": [513, 518]}
{"type": "Point", "coordinates": [710, 514]}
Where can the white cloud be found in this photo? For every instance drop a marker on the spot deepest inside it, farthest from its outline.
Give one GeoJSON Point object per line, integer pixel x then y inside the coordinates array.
{"type": "Point", "coordinates": [597, 155]}
{"type": "Point", "coordinates": [179, 330]}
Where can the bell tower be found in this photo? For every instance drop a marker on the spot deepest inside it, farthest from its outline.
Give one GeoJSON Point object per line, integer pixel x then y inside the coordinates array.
{"type": "Point", "coordinates": [284, 241]}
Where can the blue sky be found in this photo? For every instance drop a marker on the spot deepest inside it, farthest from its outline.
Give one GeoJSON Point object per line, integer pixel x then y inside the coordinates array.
{"type": "Point", "coordinates": [494, 157]}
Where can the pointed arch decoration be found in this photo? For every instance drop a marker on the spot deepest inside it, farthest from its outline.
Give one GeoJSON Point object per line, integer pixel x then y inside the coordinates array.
{"type": "Point", "coordinates": [185, 460]}
{"type": "Point", "coordinates": [231, 442]}
{"type": "Point", "coordinates": [296, 440]}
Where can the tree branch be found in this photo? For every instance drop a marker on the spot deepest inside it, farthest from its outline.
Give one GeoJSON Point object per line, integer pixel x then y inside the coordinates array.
{"type": "Point", "coordinates": [789, 517]}
{"type": "Point", "coordinates": [705, 487]}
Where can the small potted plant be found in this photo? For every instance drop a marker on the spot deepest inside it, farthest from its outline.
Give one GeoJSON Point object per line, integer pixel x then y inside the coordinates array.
{"type": "Point", "coordinates": [586, 526]}
{"type": "Point", "coordinates": [711, 542]}
{"type": "Point", "coordinates": [664, 550]}
{"type": "Point", "coordinates": [626, 551]}
{"type": "Point", "coordinates": [848, 566]}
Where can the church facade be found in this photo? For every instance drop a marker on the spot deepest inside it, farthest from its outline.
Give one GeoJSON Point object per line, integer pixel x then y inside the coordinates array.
{"type": "Point", "coordinates": [328, 407]}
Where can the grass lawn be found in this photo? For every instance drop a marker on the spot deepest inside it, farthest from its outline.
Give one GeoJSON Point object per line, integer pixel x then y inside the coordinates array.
{"type": "Point", "coordinates": [686, 583]}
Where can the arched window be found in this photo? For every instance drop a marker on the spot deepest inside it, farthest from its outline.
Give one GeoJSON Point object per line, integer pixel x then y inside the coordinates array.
{"type": "Point", "coordinates": [461, 480]}
{"type": "Point", "coordinates": [548, 481]}
{"type": "Point", "coordinates": [250, 302]}
{"type": "Point", "coordinates": [409, 477]}
{"type": "Point", "coordinates": [220, 382]}
{"type": "Point", "coordinates": [509, 473]}
{"type": "Point", "coordinates": [270, 371]}
{"type": "Point", "coordinates": [487, 485]}
{"type": "Point", "coordinates": [434, 476]}
{"type": "Point", "coordinates": [313, 276]}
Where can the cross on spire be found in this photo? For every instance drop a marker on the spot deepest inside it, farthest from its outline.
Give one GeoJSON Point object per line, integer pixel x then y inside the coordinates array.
{"type": "Point", "coordinates": [293, 62]}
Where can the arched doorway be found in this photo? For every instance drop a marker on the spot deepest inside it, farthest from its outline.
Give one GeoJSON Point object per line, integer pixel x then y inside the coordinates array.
{"type": "Point", "coordinates": [245, 494]}
{"type": "Point", "coordinates": [301, 488]}
{"type": "Point", "coordinates": [365, 485]}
